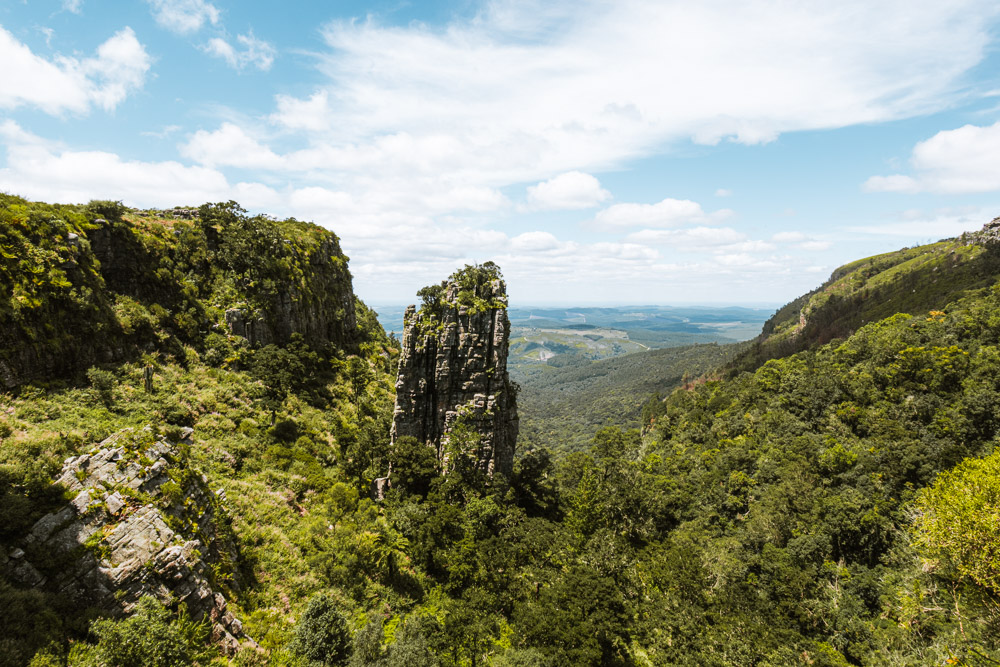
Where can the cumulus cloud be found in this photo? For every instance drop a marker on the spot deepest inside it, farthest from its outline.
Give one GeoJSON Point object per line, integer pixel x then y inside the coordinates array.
{"type": "Point", "coordinates": [569, 191]}
{"type": "Point", "coordinates": [312, 114]}
{"type": "Point", "coordinates": [956, 161]}
{"type": "Point", "coordinates": [667, 213]}
{"type": "Point", "coordinates": [184, 16]}
{"type": "Point", "coordinates": [40, 169]}
{"type": "Point", "coordinates": [70, 84]}
{"type": "Point", "coordinates": [229, 146]}
{"type": "Point", "coordinates": [535, 242]}
{"type": "Point", "coordinates": [252, 52]}
{"type": "Point", "coordinates": [801, 241]}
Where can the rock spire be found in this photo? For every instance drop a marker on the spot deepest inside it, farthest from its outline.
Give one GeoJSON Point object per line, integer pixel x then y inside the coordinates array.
{"type": "Point", "coordinates": [453, 371]}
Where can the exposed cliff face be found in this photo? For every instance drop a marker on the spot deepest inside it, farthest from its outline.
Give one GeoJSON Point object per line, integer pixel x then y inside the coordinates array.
{"type": "Point", "coordinates": [98, 284]}
{"type": "Point", "coordinates": [139, 524]}
{"type": "Point", "coordinates": [322, 310]}
{"type": "Point", "coordinates": [453, 371]}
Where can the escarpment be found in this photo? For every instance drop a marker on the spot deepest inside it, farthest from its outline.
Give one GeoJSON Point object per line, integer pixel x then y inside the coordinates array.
{"type": "Point", "coordinates": [453, 389]}
{"type": "Point", "coordinates": [101, 283]}
{"type": "Point", "coordinates": [139, 523]}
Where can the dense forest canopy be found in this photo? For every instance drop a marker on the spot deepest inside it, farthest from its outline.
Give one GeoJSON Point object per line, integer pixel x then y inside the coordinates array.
{"type": "Point", "coordinates": [831, 502]}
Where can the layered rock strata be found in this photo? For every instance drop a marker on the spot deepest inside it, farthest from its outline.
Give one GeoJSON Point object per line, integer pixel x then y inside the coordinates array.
{"type": "Point", "coordinates": [137, 525]}
{"type": "Point", "coordinates": [453, 370]}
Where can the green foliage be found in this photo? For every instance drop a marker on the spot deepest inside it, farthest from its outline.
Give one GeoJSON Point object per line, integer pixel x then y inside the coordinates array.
{"type": "Point", "coordinates": [107, 209]}
{"type": "Point", "coordinates": [414, 467]}
{"type": "Point", "coordinates": [103, 383]}
{"type": "Point", "coordinates": [958, 520]}
{"type": "Point", "coordinates": [321, 635]}
{"type": "Point", "coordinates": [474, 292]}
{"type": "Point", "coordinates": [150, 636]}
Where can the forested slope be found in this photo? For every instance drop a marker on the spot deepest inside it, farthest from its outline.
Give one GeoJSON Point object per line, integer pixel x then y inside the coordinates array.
{"type": "Point", "coordinates": [562, 407]}
{"type": "Point", "coordinates": [832, 506]}
{"type": "Point", "coordinates": [910, 280]}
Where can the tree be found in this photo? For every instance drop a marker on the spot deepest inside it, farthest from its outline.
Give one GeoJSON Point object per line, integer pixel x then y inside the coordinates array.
{"type": "Point", "coordinates": [414, 467]}
{"type": "Point", "coordinates": [321, 635]}
{"type": "Point", "coordinates": [958, 524]}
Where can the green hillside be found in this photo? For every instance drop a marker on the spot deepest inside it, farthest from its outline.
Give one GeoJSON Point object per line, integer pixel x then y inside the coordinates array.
{"type": "Point", "coordinates": [563, 406]}
{"type": "Point", "coordinates": [911, 280]}
{"type": "Point", "coordinates": [836, 504]}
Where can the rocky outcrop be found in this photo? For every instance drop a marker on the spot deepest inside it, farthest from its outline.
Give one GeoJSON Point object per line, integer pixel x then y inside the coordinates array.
{"type": "Point", "coordinates": [322, 309]}
{"type": "Point", "coordinates": [988, 235]}
{"type": "Point", "coordinates": [138, 524]}
{"type": "Point", "coordinates": [453, 371]}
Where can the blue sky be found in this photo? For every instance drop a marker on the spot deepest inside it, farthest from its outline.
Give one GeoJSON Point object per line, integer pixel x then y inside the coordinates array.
{"type": "Point", "coordinates": [628, 152]}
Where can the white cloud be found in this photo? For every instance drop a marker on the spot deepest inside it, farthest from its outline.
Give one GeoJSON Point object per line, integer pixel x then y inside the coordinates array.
{"type": "Point", "coordinates": [229, 146]}
{"type": "Point", "coordinates": [958, 161]}
{"type": "Point", "coordinates": [641, 73]}
{"type": "Point", "coordinates": [697, 237]}
{"type": "Point", "coordinates": [73, 6]}
{"type": "Point", "coordinates": [70, 84]}
{"type": "Point", "coordinates": [568, 191]}
{"type": "Point", "coordinates": [891, 183]}
{"type": "Point", "coordinates": [39, 169]}
{"type": "Point", "coordinates": [667, 213]}
{"type": "Point", "coordinates": [535, 242]}
{"type": "Point", "coordinates": [723, 192]}
{"type": "Point", "coordinates": [917, 226]}
{"type": "Point", "coordinates": [184, 16]}
{"type": "Point", "coordinates": [255, 52]}
{"type": "Point", "coordinates": [789, 237]}
{"type": "Point", "coordinates": [295, 114]}
{"type": "Point", "coordinates": [802, 241]}
{"type": "Point", "coordinates": [701, 240]}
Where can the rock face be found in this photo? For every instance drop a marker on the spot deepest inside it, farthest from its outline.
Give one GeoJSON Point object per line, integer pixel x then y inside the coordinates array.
{"type": "Point", "coordinates": [323, 313]}
{"type": "Point", "coordinates": [81, 290]}
{"type": "Point", "coordinates": [988, 235]}
{"type": "Point", "coordinates": [132, 529]}
{"type": "Point", "coordinates": [453, 370]}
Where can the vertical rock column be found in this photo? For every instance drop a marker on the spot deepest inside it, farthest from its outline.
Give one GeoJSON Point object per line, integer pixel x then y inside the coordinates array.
{"type": "Point", "coordinates": [453, 369]}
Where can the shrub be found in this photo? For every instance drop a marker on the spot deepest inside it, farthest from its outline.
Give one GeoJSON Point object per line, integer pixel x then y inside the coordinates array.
{"type": "Point", "coordinates": [321, 635]}
{"type": "Point", "coordinates": [151, 636]}
{"type": "Point", "coordinates": [103, 382]}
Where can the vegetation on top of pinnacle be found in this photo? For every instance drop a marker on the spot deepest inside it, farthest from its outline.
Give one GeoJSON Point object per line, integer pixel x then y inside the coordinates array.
{"type": "Point", "coordinates": [474, 292]}
{"type": "Point", "coordinates": [911, 280]}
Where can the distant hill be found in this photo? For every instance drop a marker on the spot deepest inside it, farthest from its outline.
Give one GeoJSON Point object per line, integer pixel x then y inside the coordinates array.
{"type": "Point", "coordinates": [910, 280]}
{"type": "Point", "coordinates": [562, 407]}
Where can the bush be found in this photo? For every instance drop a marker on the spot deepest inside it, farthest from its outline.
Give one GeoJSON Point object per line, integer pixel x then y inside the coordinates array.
{"type": "Point", "coordinates": [321, 635]}
{"type": "Point", "coordinates": [958, 524]}
{"type": "Point", "coordinates": [103, 382]}
{"type": "Point", "coordinates": [151, 636]}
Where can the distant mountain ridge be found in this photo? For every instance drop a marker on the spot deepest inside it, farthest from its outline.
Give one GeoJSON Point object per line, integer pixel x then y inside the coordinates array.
{"type": "Point", "coordinates": [910, 280]}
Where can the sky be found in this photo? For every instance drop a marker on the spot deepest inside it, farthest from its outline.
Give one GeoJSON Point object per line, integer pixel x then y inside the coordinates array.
{"type": "Point", "coordinates": [626, 152]}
